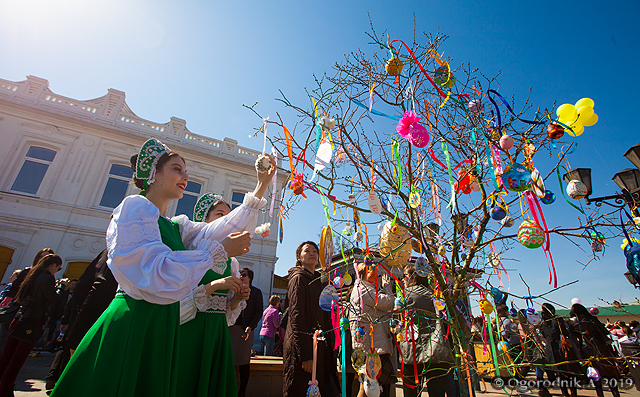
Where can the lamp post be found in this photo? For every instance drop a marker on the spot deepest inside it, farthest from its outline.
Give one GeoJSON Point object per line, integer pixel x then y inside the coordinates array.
{"type": "Point", "coordinates": [628, 180]}
{"type": "Point", "coordinates": [631, 279]}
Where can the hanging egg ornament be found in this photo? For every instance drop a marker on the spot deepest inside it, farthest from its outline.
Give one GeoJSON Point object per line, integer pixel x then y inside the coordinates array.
{"type": "Point", "coordinates": [422, 267]}
{"type": "Point", "coordinates": [555, 131]}
{"type": "Point", "coordinates": [593, 374]}
{"type": "Point", "coordinates": [513, 312]}
{"type": "Point", "coordinates": [399, 337]}
{"type": "Point", "coordinates": [594, 310]}
{"type": "Point", "coordinates": [297, 185]}
{"type": "Point", "coordinates": [442, 251]}
{"type": "Point", "coordinates": [352, 198]}
{"type": "Point", "coordinates": [497, 213]}
{"type": "Point", "coordinates": [393, 67]}
{"type": "Point", "coordinates": [507, 221]}
{"type": "Point", "coordinates": [537, 183]}
{"type": "Point", "coordinates": [516, 178]}
{"type": "Point", "coordinates": [326, 247]}
{"type": "Point", "coordinates": [533, 317]}
{"type": "Point", "coordinates": [597, 246]}
{"type": "Point", "coordinates": [371, 388]}
{"type": "Point", "coordinates": [347, 280]}
{"type": "Point", "coordinates": [475, 106]}
{"type": "Point", "coordinates": [358, 357]}
{"type": "Point", "coordinates": [506, 142]}
{"type": "Point", "coordinates": [576, 189]}
{"type": "Point", "coordinates": [359, 237]}
{"type": "Point", "coordinates": [327, 297]}
{"type": "Point", "coordinates": [340, 157]}
{"type": "Point", "coordinates": [497, 295]}
{"type": "Point", "coordinates": [439, 304]}
{"type": "Point", "coordinates": [344, 323]}
{"type": "Point", "coordinates": [395, 244]}
{"type": "Point", "coordinates": [374, 203]}
{"type": "Point", "coordinates": [444, 77]}
{"type": "Point", "coordinates": [530, 234]}
{"type": "Point", "coordinates": [338, 282]}
{"type": "Point", "coordinates": [486, 306]}
{"type": "Point", "coordinates": [313, 391]}
{"type": "Point", "coordinates": [380, 226]}
{"type": "Point", "coordinates": [414, 199]}
{"type": "Point", "coordinates": [549, 197]}
{"type": "Point", "coordinates": [373, 365]}
{"type": "Point", "coordinates": [263, 163]}
{"type": "Point", "coordinates": [416, 245]}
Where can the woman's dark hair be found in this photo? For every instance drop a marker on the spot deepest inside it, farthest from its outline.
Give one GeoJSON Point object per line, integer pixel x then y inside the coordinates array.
{"type": "Point", "coordinates": [548, 311]}
{"type": "Point", "coordinates": [577, 310]}
{"type": "Point", "coordinates": [41, 254]}
{"type": "Point", "coordinates": [522, 317]}
{"type": "Point", "coordinates": [502, 310]}
{"type": "Point", "coordinates": [410, 270]}
{"type": "Point", "coordinates": [217, 203]}
{"type": "Point", "coordinates": [299, 250]}
{"type": "Point", "coordinates": [248, 272]}
{"type": "Point", "coordinates": [161, 162]}
{"type": "Point", "coordinates": [34, 272]}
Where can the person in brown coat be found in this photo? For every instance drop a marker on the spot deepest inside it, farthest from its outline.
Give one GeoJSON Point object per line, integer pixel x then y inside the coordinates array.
{"type": "Point", "coordinates": [303, 317]}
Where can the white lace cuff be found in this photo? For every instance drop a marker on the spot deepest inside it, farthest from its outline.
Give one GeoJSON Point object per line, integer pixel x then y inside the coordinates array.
{"type": "Point", "coordinates": [252, 202]}
{"type": "Point", "coordinates": [217, 252]}
{"type": "Point", "coordinates": [199, 301]}
{"type": "Point", "coordinates": [233, 314]}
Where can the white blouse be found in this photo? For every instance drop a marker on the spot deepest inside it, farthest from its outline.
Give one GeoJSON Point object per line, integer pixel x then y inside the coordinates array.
{"type": "Point", "coordinates": [147, 269]}
{"type": "Point", "coordinates": [199, 301]}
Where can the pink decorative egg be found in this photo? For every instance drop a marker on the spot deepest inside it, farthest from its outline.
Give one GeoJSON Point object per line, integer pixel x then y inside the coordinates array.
{"type": "Point", "coordinates": [576, 189]}
{"type": "Point", "coordinates": [506, 142]}
{"type": "Point", "coordinates": [530, 234]}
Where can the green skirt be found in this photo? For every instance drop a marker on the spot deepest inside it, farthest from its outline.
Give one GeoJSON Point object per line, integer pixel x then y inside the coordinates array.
{"type": "Point", "coordinates": [130, 351]}
{"type": "Point", "coordinates": [206, 365]}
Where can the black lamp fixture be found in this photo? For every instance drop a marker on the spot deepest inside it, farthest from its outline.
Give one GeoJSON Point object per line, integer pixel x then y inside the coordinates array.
{"type": "Point", "coordinates": [631, 279]}
{"type": "Point", "coordinates": [628, 180]}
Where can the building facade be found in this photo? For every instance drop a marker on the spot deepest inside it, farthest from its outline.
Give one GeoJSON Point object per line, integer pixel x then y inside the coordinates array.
{"type": "Point", "coordinates": [66, 167]}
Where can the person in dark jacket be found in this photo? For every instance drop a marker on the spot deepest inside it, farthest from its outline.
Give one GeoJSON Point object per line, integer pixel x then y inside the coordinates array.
{"type": "Point", "coordinates": [560, 347]}
{"type": "Point", "coordinates": [13, 288]}
{"type": "Point", "coordinates": [94, 292]}
{"type": "Point", "coordinates": [304, 317]}
{"type": "Point", "coordinates": [37, 292]}
{"type": "Point", "coordinates": [56, 311]}
{"type": "Point", "coordinates": [593, 341]}
{"type": "Point", "coordinates": [242, 332]}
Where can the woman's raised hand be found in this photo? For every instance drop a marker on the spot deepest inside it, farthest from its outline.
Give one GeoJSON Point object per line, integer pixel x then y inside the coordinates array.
{"type": "Point", "coordinates": [231, 282]}
{"type": "Point", "coordinates": [264, 178]}
{"type": "Point", "coordinates": [236, 244]}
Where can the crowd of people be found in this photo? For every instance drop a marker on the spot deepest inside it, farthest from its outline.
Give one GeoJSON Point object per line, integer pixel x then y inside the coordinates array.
{"type": "Point", "coordinates": [165, 310]}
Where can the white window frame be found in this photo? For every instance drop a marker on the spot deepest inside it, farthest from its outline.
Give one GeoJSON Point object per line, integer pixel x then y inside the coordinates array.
{"type": "Point", "coordinates": [35, 160]}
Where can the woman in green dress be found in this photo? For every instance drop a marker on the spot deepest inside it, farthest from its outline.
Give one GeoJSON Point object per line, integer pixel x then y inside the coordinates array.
{"type": "Point", "coordinates": [132, 349]}
{"type": "Point", "coordinates": [205, 366]}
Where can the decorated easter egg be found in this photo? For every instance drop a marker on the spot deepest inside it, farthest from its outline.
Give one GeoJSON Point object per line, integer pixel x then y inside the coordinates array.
{"type": "Point", "coordinates": [373, 365]}
{"type": "Point", "coordinates": [497, 295]}
{"type": "Point", "coordinates": [502, 346]}
{"type": "Point", "coordinates": [419, 136]}
{"type": "Point", "coordinates": [576, 189]}
{"type": "Point", "coordinates": [486, 306]}
{"type": "Point", "coordinates": [374, 203]}
{"type": "Point", "coordinates": [494, 259]}
{"type": "Point", "coordinates": [371, 388]}
{"type": "Point", "coordinates": [422, 267]}
{"type": "Point", "coordinates": [395, 244]}
{"type": "Point", "coordinates": [393, 67]}
{"type": "Point", "coordinates": [347, 279]}
{"type": "Point", "coordinates": [344, 323]}
{"type": "Point", "coordinates": [497, 213]}
{"type": "Point", "coordinates": [444, 77]}
{"type": "Point", "coordinates": [516, 178]}
{"type": "Point", "coordinates": [537, 184]}
{"type": "Point", "coordinates": [313, 391]}
{"type": "Point", "coordinates": [594, 310]}
{"type": "Point", "coordinates": [414, 199]}
{"type": "Point", "coordinates": [549, 197]}
{"type": "Point", "coordinates": [326, 247]}
{"type": "Point", "coordinates": [475, 106]}
{"type": "Point", "coordinates": [327, 296]}
{"type": "Point", "coordinates": [506, 142]}
{"type": "Point", "coordinates": [338, 282]}
{"type": "Point", "coordinates": [533, 317]}
{"type": "Point", "coordinates": [555, 131]}
{"type": "Point", "coordinates": [530, 234]}
{"type": "Point", "coordinates": [513, 312]}
{"type": "Point", "coordinates": [507, 221]}
{"type": "Point", "coordinates": [593, 373]}
{"type": "Point", "coordinates": [597, 246]}
{"type": "Point", "coordinates": [439, 304]}
{"type": "Point", "coordinates": [358, 356]}
{"type": "Point", "coordinates": [352, 198]}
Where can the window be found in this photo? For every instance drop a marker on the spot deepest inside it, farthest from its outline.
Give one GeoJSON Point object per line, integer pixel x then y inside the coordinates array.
{"type": "Point", "coordinates": [236, 199]}
{"type": "Point", "coordinates": [33, 169]}
{"type": "Point", "coordinates": [188, 201]}
{"type": "Point", "coordinates": [117, 185]}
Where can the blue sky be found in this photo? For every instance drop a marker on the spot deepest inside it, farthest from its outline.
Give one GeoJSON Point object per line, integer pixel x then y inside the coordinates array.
{"type": "Point", "coordinates": [201, 60]}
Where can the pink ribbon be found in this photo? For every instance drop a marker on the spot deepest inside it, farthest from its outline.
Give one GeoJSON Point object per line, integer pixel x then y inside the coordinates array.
{"type": "Point", "coordinates": [531, 200]}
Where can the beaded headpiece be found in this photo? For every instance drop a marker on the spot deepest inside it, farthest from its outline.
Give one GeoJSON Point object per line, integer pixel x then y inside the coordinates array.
{"type": "Point", "coordinates": [203, 205]}
{"type": "Point", "coordinates": [150, 153]}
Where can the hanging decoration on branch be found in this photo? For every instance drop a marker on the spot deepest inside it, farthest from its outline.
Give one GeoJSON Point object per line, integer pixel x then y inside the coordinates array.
{"type": "Point", "coordinates": [409, 128]}
{"type": "Point", "coordinates": [530, 234]}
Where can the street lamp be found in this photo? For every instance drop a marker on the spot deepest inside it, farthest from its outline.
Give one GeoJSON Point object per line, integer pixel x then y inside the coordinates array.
{"type": "Point", "coordinates": [628, 180]}
{"type": "Point", "coordinates": [631, 279]}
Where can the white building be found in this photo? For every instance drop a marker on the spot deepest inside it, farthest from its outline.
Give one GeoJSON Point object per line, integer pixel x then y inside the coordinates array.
{"type": "Point", "coordinates": [65, 167]}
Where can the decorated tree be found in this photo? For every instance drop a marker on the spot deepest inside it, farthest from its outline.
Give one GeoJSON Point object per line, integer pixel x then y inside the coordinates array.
{"type": "Point", "coordinates": [429, 151]}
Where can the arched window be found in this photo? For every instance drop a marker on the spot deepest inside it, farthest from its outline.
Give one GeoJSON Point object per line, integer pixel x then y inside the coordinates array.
{"type": "Point", "coordinates": [36, 163]}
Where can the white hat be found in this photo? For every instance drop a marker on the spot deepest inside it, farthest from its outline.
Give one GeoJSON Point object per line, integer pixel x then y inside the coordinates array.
{"type": "Point", "coordinates": [576, 301]}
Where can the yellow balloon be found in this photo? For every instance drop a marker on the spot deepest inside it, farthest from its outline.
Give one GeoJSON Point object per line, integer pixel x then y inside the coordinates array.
{"type": "Point", "coordinates": [577, 130]}
{"type": "Point", "coordinates": [590, 121]}
{"type": "Point", "coordinates": [584, 113]}
{"type": "Point", "coordinates": [567, 112]}
{"type": "Point", "coordinates": [585, 102]}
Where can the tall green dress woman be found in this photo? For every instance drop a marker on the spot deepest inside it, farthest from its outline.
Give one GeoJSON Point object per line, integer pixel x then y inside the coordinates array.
{"type": "Point", "coordinates": [132, 348]}
{"type": "Point", "coordinates": [205, 366]}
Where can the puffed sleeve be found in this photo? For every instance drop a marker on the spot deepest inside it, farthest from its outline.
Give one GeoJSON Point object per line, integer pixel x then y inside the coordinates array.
{"type": "Point", "coordinates": [143, 266]}
{"type": "Point", "coordinates": [233, 314]}
{"type": "Point", "coordinates": [243, 218]}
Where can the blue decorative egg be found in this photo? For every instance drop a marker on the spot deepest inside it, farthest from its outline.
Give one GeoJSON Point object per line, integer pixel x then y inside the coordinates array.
{"type": "Point", "coordinates": [327, 297]}
{"type": "Point", "coordinates": [516, 178]}
{"type": "Point", "coordinates": [549, 197]}
{"type": "Point", "coordinates": [497, 213]}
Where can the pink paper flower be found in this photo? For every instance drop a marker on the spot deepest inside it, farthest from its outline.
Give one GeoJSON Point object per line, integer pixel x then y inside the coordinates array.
{"type": "Point", "coordinates": [409, 128]}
